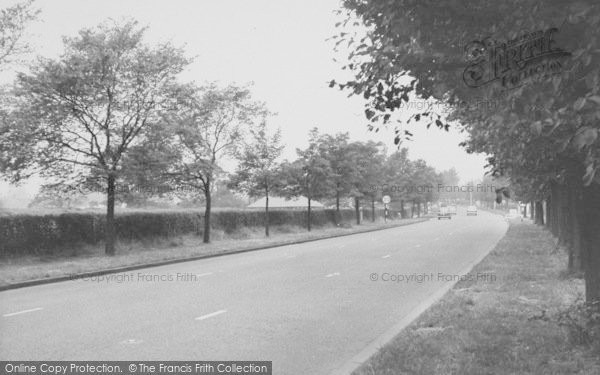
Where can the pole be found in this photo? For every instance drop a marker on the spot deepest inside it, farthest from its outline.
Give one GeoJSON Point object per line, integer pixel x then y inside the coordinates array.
{"type": "Point", "coordinates": [385, 212]}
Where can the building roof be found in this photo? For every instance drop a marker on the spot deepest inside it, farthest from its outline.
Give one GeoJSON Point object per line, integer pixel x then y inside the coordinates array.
{"type": "Point", "coordinates": [280, 202]}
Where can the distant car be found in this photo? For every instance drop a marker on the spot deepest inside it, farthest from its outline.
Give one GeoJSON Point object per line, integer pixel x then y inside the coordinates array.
{"type": "Point", "coordinates": [471, 210]}
{"type": "Point", "coordinates": [444, 212]}
{"type": "Point", "coordinates": [452, 209]}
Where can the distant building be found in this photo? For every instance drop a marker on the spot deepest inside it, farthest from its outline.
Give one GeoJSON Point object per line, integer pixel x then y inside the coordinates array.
{"type": "Point", "coordinates": [280, 203]}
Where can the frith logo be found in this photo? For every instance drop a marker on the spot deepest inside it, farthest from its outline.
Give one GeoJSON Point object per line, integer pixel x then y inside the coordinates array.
{"type": "Point", "coordinates": [533, 56]}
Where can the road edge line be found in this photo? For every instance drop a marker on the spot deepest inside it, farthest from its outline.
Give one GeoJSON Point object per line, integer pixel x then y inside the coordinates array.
{"type": "Point", "coordinates": [374, 346]}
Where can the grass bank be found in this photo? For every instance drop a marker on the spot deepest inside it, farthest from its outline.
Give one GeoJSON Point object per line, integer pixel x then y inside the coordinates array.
{"type": "Point", "coordinates": [527, 321]}
{"type": "Point", "coordinates": [90, 258]}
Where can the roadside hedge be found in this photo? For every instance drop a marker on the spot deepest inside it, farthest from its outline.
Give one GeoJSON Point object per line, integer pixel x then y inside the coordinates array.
{"type": "Point", "coordinates": [38, 234]}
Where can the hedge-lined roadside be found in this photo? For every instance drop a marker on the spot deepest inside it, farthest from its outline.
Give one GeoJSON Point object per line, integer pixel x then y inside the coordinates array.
{"type": "Point", "coordinates": [16, 272]}
{"type": "Point", "coordinates": [38, 234]}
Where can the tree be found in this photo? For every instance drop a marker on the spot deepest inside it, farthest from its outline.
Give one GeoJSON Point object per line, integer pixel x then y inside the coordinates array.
{"type": "Point", "coordinates": [408, 180]}
{"type": "Point", "coordinates": [257, 173]}
{"type": "Point", "coordinates": [339, 154]}
{"type": "Point", "coordinates": [144, 163]}
{"type": "Point", "coordinates": [396, 184]}
{"type": "Point", "coordinates": [425, 181]}
{"type": "Point", "coordinates": [207, 126]}
{"type": "Point", "coordinates": [75, 118]}
{"type": "Point", "coordinates": [13, 21]}
{"type": "Point", "coordinates": [368, 160]}
{"type": "Point", "coordinates": [309, 175]}
{"type": "Point", "coordinates": [543, 132]}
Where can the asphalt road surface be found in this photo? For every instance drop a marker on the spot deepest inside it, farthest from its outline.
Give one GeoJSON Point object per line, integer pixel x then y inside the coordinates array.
{"type": "Point", "coordinates": [309, 308]}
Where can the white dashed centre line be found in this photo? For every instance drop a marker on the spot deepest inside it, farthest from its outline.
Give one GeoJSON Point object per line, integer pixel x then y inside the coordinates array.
{"type": "Point", "coordinates": [386, 256]}
{"type": "Point", "coordinates": [204, 274]}
{"type": "Point", "coordinates": [22, 312]}
{"type": "Point", "coordinates": [333, 274]}
{"type": "Point", "coordinates": [132, 342]}
{"type": "Point", "coordinates": [211, 315]}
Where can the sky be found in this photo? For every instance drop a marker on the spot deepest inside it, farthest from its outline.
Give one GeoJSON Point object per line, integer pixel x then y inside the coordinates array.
{"type": "Point", "coordinates": [280, 46]}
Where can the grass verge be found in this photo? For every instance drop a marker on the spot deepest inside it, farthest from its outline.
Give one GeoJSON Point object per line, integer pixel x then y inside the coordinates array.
{"type": "Point", "coordinates": [511, 325]}
{"type": "Point", "coordinates": [88, 258]}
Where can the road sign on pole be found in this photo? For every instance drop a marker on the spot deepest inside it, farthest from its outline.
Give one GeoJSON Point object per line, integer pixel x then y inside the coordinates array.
{"type": "Point", "coordinates": [386, 199]}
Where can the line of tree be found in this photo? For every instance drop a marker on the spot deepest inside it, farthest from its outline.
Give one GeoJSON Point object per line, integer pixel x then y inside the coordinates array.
{"type": "Point", "coordinates": [332, 168]}
{"type": "Point", "coordinates": [111, 110]}
{"type": "Point", "coordinates": [541, 134]}
{"type": "Point", "coordinates": [76, 117]}
{"type": "Point", "coordinates": [110, 114]}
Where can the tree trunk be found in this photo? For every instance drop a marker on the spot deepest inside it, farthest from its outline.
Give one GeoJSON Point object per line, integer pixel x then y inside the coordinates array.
{"type": "Point", "coordinates": [561, 215]}
{"type": "Point", "coordinates": [110, 233]}
{"type": "Point", "coordinates": [357, 209]}
{"type": "Point", "coordinates": [206, 234]}
{"type": "Point", "coordinates": [557, 214]}
{"type": "Point", "coordinates": [574, 243]}
{"type": "Point", "coordinates": [574, 196]}
{"type": "Point", "coordinates": [552, 209]}
{"type": "Point", "coordinates": [590, 240]}
{"type": "Point", "coordinates": [549, 213]}
{"type": "Point", "coordinates": [402, 214]}
{"type": "Point", "coordinates": [337, 206]}
{"type": "Point", "coordinates": [267, 212]}
{"type": "Point", "coordinates": [539, 213]}
{"type": "Point", "coordinates": [531, 210]}
{"type": "Point", "coordinates": [372, 209]}
{"type": "Point", "coordinates": [308, 216]}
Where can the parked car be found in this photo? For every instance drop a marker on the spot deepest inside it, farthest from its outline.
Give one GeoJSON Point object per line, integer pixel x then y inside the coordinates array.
{"type": "Point", "coordinates": [444, 212]}
{"type": "Point", "coordinates": [471, 210]}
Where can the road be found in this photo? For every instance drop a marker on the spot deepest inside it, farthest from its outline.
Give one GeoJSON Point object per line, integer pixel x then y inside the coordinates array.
{"type": "Point", "coordinates": [309, 308]}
